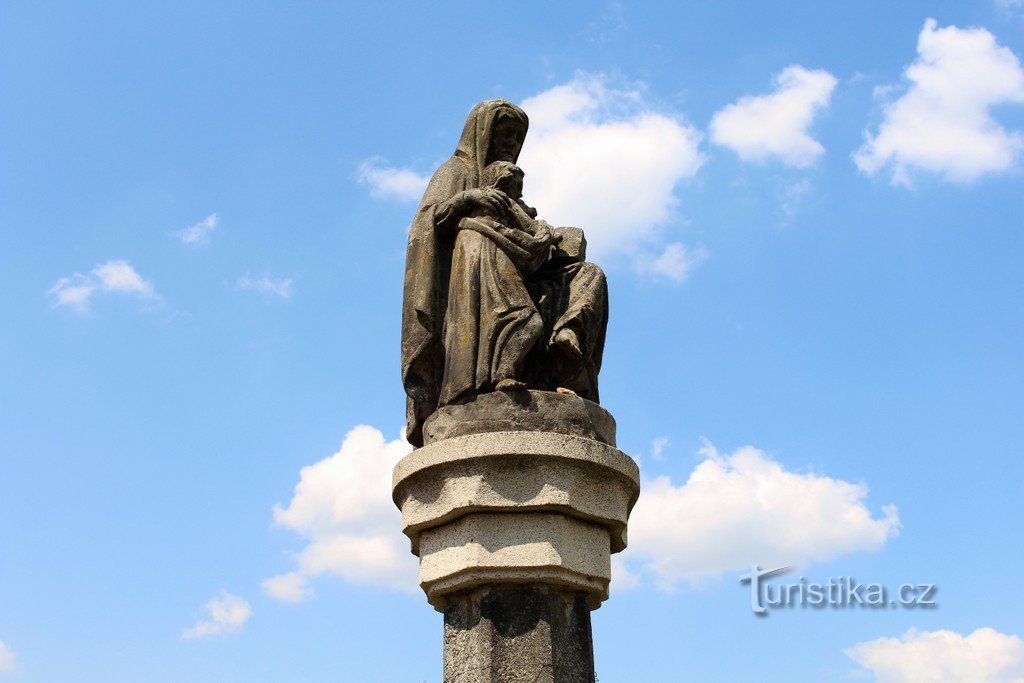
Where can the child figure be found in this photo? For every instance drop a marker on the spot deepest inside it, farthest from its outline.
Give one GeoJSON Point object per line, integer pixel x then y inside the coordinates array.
{"type": "Point", "coordinates": [501, 248]}
{"type": "Point", "coordinates": [531, 237]}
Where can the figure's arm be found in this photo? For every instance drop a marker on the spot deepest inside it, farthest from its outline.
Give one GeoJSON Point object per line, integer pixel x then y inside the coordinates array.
{"type": "Point", "coordinates": [486, 200]}
{"type": "Point", "coordinates": [448, 201]}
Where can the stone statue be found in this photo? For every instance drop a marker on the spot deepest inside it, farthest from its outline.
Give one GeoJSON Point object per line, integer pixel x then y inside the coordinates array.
{"type": "Point", "coordinates": [495, 299]}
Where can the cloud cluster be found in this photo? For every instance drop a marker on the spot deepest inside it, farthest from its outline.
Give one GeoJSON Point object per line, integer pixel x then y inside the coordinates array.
{"type": "Point", "coordinates": [745, 508]}
{"type": "Point", "coordinates": [225, 614]}
{"type": "Point", "coordinates": [342, 506]}
{"type": "Point", "coordinates": [267, 286]}
{"type": "Point", "coordinates": [733, 511]}
{"type": "Point", "coordinates": [942, 123]}
{"type": "Point", "coordinates": [391, 182]}
{"type": "Point", "coordinates": [198, 235]}
{"type": "Point", "coordinates": [597, 157]}
{"type": "Point", "coordinates": [985, 656]}
{"type": "Point", "coordinates": [7, 658]}
{"type": "Point", "coordinates": [775, 126]}
{"type": "Point", "coordinates": [118, 277]}
{"type": "Point", "coordinates": [606, 160]}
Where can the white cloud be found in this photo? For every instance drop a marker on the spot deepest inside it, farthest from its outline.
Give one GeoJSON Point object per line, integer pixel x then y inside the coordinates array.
{"type": "Point", "coordinates": [607, 161]}
{"type": "Point", "coordinates": [675, 262]}
{"type": "Point", "coordinates": [73, 292]}
{"type": "Point", "coordinates": [942, 123]}
{"type": "Point", "coordinates": [119, 276]}
{"type": "Point", "coordinates": [744, 508]}
{"type": "Point", "coordinates": [290, 587]}
{"type": "Point", "coordinates": [225, 614]}
{"type": "Point", "coordinates": [658, 447]}
{"type": "Point", "coordinates": [622, 577]}
{"type": "Point", "coordinates": [267, 286]}
{"type": "Point", "coordinates": [985, 656]}
{"type": "Point", "coordinates": [199, 234]}
{"type": "Point", "coordinates": [342, 505]}
{"type": "Point", "coordinates": [390, 182]}
{"type": "Point", "coordinates": [7, 658]}
{"type": "Point", "coordinates": [77, 290]}
{"type": "Point", "coordinates": [775, 126]}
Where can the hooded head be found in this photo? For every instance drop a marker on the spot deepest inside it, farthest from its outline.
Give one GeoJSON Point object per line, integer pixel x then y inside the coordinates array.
{"type": "Point", "coordinates": [494, 131]}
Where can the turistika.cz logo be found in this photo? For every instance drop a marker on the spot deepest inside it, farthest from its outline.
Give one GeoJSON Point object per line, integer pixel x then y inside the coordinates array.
{"type": "Point", "coordinates": [838, 593]}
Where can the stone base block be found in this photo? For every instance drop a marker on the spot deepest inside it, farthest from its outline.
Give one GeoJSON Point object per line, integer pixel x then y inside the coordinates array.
{"type": "Point", "coordinates": [526, 547]}
{"type": "Point", "coordinates": [516, 471]}
{"type": "Point", "coordinates": [521, 411]}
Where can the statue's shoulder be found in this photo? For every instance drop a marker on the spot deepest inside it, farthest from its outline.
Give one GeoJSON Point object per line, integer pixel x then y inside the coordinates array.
{"type": "Point", "coordinates": [454, 167]}
{"type": "Point", "coordinates": [447, 180]}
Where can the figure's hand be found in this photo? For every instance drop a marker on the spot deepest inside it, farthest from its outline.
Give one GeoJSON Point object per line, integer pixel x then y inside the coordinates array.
{"type": "Point", "coordinates": [486, 198]}
{"type": "Point", "coordinates": [543, 232]}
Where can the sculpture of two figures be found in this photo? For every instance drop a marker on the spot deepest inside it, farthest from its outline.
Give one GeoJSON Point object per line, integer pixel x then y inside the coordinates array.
{"type": "Point", "coordinates": [495, 298]}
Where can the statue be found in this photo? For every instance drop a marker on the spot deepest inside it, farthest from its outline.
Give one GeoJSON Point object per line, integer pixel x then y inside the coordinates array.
{"type": "Point", "coordinates": [495, 298]}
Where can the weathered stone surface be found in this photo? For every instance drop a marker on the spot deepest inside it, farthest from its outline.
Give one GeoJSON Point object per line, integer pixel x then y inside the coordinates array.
{"type": "Point", "coordinates": [522, 547]}
{"type": "Point", "coordinates": [527, 633]}
{"type": "Point", "coordinates": [514, 507]}
{"type": "Point", "coordinates": [516, 471]}
{"type": "Point", "coordinates": [571, 246]}
{"type": "Point", "coordinates": [522, 411]}
{"type": "Point", "coordinates": [490, 301]}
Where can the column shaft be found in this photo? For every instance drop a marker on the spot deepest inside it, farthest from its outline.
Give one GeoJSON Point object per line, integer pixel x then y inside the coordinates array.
{"type": "Point", "coordinates": [518, 633]}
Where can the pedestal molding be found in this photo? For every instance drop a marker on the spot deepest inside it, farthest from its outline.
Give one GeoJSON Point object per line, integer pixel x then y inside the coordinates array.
{"type": "Point", "coordinates": [516, 508]}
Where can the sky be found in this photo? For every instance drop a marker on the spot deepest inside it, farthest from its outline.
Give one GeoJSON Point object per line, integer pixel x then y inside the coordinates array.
{"type": "Point", "coordinates": [810, 219]}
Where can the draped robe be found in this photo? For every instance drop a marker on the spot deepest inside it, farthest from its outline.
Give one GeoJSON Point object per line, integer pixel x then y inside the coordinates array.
{"type": "Point", "coordinates": [470, 316]}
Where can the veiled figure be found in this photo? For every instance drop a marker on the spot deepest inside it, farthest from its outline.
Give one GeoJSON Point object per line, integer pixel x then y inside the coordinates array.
{"type": "Point", "coordinates": [488, 305]}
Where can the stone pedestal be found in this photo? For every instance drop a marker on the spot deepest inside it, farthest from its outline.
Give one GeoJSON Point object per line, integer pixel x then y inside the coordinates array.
{"type": "Point", "coordinates": [514, 506]}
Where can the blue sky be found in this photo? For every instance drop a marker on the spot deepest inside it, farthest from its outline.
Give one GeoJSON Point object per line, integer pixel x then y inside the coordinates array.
{"type": "Point", "coordinates": [810, 220]}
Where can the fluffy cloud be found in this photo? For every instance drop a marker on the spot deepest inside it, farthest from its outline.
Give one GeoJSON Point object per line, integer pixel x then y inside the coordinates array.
{"type": "Point", "coordinates": [775, 126]}
{"type": "Point", "coordinates": [199, 234]}
{"type": "Point", "coordinates": [675, 262]}
{"type": "Point", "coordinates": [76, 291]}
{"type": "Point", "coordinates": [290, 587]}
{"type": "Point", "coordinates": [390, 182]}
{"type": "Point", "coordinates": [985, 656]}
{"type": "Point", "coordinates": [7, 658]}
{"type": "Point", "coordinates": [281, 288]}
{"type": "Point", "coordinates": [225, 614]}
{"type": "Point", "coordinates": [342, 506]}
{"type": "Point", "coordinates": [658, 447]}
{"type": "Point", "coordinates": [744, 508]}
{"type": "Point", "coordinates": [119, 276]}
{"type": "Point", "coordinates": [942, 122]}
{"type": "Point", "coordinates": [607, 161]}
